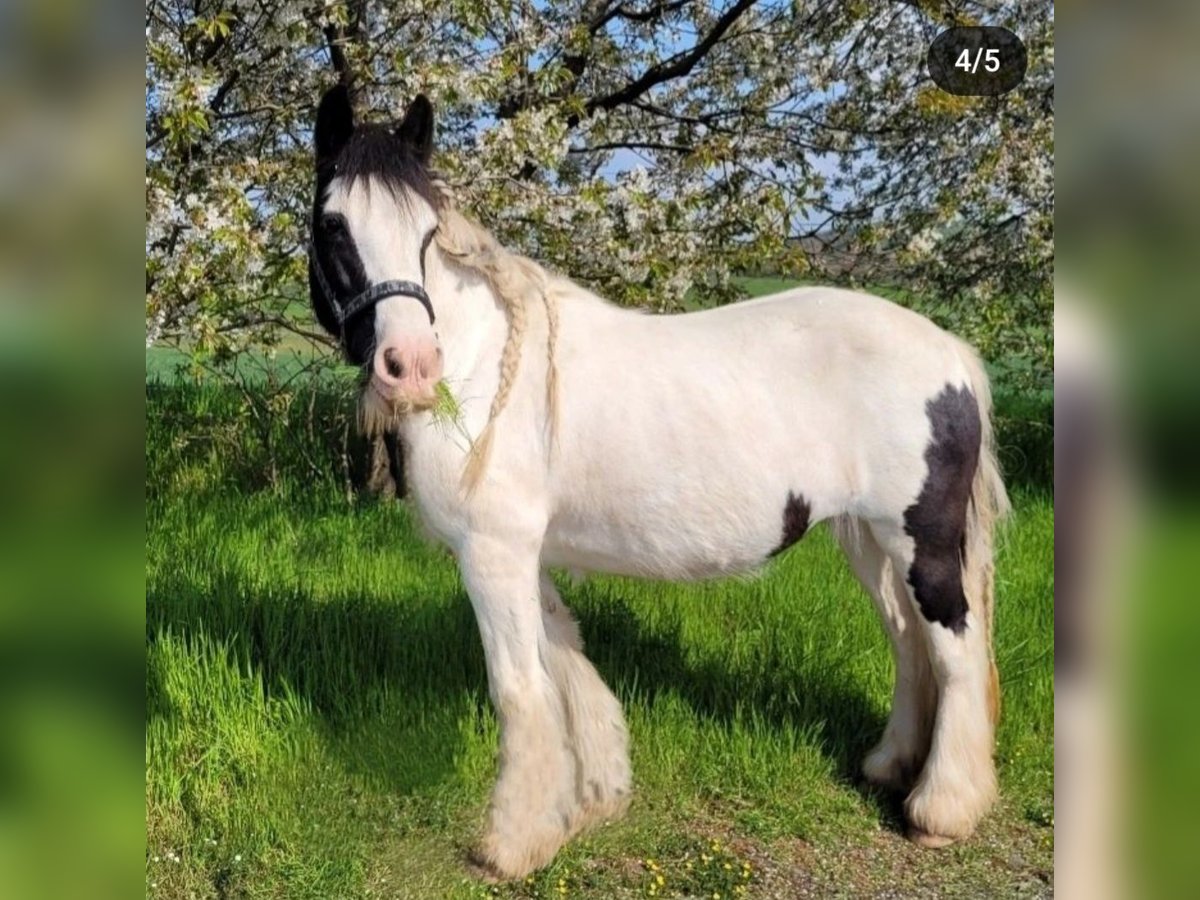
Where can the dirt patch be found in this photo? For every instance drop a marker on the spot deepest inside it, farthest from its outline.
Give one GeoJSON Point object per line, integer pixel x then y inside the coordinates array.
{"type": "Point", "coordinates": [1007, 858]}
{"type": "Point", "coordinates": [999, 862]}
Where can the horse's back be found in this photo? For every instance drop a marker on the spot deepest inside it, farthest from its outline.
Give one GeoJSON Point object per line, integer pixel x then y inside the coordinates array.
{"type": "Point", "coordinates": [839, 343]}
{"type": "Point", "coordinates": [846, 315]}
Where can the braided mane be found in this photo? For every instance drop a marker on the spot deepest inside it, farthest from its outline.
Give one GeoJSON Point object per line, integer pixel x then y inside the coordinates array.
{"type": "Point", "coordinates": [517, 281]}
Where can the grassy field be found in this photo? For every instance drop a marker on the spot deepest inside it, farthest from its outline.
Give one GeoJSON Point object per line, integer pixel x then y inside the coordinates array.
{"type": "Point", "coordinates": [318, 723]}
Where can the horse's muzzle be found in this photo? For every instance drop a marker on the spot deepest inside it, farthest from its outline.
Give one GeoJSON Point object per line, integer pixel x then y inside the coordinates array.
{"type": "Point", "coordinates": [406, 372]}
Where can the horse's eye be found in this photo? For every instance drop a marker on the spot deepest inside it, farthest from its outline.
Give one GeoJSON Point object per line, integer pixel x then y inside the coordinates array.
{"type": "Point", "coordinates": [332, 224]}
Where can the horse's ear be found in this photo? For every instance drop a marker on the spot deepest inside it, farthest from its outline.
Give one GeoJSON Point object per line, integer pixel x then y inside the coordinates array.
{"type": "Point", "coordinates": [335, 122]}
{"type": "Point", "coordinates": [417, 128]}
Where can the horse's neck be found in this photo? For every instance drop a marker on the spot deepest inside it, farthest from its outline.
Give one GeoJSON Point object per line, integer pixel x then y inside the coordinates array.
{"type": "Point", "coordinates": [471, 325]}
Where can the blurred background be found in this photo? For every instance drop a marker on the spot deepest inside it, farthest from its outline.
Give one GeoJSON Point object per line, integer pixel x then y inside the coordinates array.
{"type": "Point", "coordinates": [1126, 484]}
{"type": "Point", "coordinates": [1127, 515]}
{"type": "Point", "coordinates": [71, 455]}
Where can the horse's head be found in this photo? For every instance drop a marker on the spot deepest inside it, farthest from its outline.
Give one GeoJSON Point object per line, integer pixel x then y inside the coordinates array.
{"type": "Point", "coordinates": [374, 217]}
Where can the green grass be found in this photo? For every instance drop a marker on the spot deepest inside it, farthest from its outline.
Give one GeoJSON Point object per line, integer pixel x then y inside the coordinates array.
{"type": "Point", "coordinates": [318, 723]}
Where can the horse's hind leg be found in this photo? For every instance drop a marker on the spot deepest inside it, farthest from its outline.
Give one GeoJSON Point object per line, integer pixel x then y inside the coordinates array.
{"type": "Point", "coordinates": [898, 757]}
{"type": "Point", "coordinates": [595, 721]}
{"type": "Point", "coordinates": [958, 783]}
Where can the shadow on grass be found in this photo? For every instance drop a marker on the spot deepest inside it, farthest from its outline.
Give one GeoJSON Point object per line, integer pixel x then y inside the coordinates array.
{"type": "Point", "coordinates": [637, 660]}
{"type": "Point", "coordinates": [386, 682]}
{"type": "Point", "coordinates": [390, 682]}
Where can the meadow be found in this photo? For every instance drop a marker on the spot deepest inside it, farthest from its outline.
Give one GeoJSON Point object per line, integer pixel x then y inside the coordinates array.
{"type": "Point", "coordinates": [318, 723]}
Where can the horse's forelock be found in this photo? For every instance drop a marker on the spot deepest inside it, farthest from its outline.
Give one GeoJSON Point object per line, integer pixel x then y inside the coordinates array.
{"type": "Point", "coordinates": [376, 155]}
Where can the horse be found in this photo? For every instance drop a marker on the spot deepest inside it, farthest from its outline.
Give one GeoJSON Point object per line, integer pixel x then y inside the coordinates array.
{"type": "Point", "coordinates": [592, 438]}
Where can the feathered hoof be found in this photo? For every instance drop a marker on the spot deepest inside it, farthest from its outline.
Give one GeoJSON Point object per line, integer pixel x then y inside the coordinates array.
{"type": "Point", "coordinates": [497, 861]}
{"type": "Point", "coordinates": [947, 807]}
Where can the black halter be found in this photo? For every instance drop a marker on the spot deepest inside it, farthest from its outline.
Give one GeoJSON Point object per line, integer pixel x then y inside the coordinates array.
{"type": "Point", "coordinates": [343, 312]}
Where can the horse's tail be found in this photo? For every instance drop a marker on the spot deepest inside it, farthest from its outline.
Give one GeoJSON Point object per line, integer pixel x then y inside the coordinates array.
{"type": "Point", "coordinates": [989, 504]}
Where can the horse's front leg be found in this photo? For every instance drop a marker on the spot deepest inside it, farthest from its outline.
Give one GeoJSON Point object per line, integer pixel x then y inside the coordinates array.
{"type": "Point", "coordinates": [533, 808]}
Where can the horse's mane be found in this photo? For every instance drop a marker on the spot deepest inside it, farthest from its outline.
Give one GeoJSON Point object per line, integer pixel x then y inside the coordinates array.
{"type": "Point", "coordinates": [517, 282]}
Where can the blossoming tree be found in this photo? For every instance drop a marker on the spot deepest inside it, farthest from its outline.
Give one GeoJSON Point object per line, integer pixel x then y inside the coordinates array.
{"type": "Point", "coordinates": [649, 148]}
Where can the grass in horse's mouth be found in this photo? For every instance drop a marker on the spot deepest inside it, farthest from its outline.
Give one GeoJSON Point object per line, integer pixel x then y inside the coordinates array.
{"type": "Point", "coordinates": [446, 410]}
{"type": "Point", "coordinates": [445, 405]}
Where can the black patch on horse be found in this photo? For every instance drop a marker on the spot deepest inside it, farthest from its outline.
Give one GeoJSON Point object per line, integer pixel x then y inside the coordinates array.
{"type": "Point", "coordinates": [937, 521]}
{"type": "Point", "coordinates": [796, 513]}
{"type": "Point", "coordinates": [340, 260]}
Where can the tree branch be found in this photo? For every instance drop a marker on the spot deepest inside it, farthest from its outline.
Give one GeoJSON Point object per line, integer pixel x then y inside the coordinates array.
{"type": "Point", "coordinates": [634, 145]}
{"type": "Point", "coordinates": [677, 66]}
{"type": "Point", "coordinates": [657, 11]}
{"type": "Point", "coordinates": [337, 38]}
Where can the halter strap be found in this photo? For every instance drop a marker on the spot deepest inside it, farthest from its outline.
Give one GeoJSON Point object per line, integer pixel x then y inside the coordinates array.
{"type": "Point", "coordinates": [368, 298]}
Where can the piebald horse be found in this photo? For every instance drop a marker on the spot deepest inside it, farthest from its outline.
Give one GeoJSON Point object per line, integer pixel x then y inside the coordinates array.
{"type": "Point", "coordinates": [593, 438]}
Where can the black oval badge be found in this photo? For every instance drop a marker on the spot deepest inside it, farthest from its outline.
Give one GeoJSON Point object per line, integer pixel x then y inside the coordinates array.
{"type": "Point", "coordinates": [977, 61]}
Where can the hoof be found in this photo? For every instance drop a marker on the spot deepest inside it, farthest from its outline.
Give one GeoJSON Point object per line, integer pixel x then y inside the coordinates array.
{"type": "Point", "coordinates": [488, 867]}
{"type": "Point", "coordinates": [479, 868]}
{"type": "Point", "coordinates": [511, 857]}
{"type": "Point", "coordinates": [942, 810]}
{"type": "Point", "coordinates": [923, 838]}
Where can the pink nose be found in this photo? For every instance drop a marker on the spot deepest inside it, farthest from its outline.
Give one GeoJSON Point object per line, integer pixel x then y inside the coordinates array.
{"type": "Point", "coordinates": [407, 368]}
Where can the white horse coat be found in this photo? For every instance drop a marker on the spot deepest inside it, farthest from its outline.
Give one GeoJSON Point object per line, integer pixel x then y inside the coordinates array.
{"type": "Point", "coordinates": [672, 447]}
{"type": "Point", "coordinates": [680, 437]}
